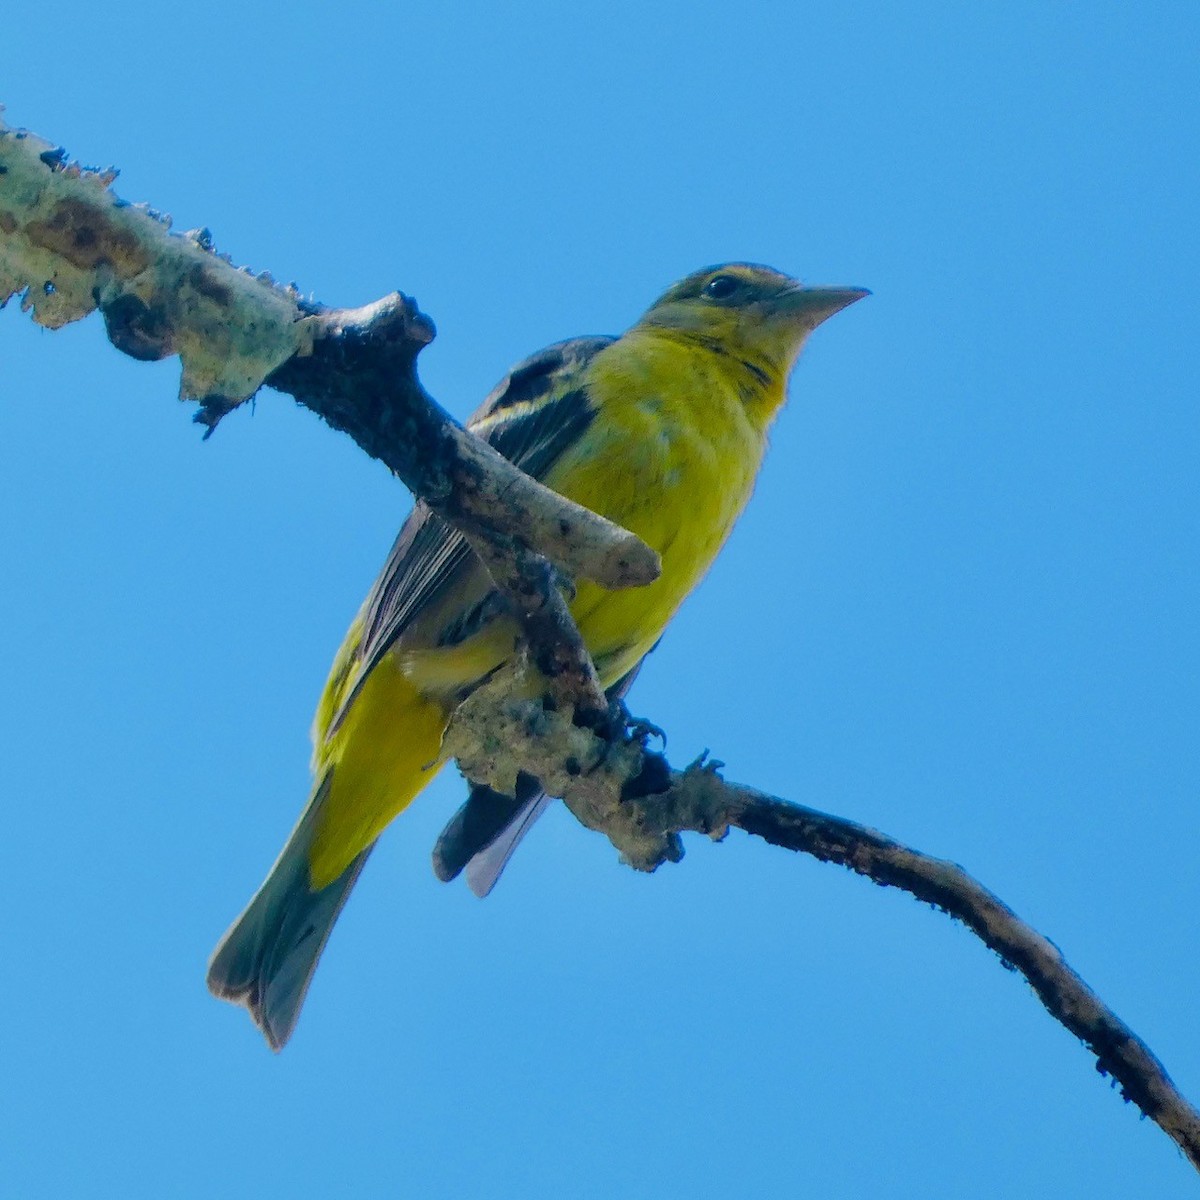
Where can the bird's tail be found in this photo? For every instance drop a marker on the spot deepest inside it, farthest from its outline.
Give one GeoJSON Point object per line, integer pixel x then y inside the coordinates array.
{"type": "Point", "coordinates": [483, 834]}
{"type": "Point", "coordinates": [486, 867]}
{"type": "Point", "coordinates": [267, 958]}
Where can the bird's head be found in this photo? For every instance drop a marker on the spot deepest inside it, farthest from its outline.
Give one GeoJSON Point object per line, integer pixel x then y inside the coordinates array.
{"type": "Point", "coordinates": [748, 310]}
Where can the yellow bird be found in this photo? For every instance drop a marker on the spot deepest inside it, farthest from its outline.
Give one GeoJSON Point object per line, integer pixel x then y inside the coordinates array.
{"type": "Point", "coordinates": [661, 430]}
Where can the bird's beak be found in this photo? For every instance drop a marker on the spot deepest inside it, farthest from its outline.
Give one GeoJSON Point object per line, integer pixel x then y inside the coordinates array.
{"type": "Point", "coordinates": [812, 305]}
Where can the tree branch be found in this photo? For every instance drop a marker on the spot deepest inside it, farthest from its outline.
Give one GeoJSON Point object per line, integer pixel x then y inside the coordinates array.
{"type": "Point", "coordinates": [68, 247]}
{"type": "Point", "coordinates": [360, 376]}
{"type": "Point", "coordinates": [1119, 1051]}
{"type": "Point", "coordinates": [642, 806]}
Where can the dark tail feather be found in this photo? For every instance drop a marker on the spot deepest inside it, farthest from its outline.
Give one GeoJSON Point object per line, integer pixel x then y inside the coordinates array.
{"type": "Point", "coordinates": [267, 958]}
{"type": "Point", "coordinates": [484, 816]}
{"type": "Point", "coordinates": [486, 867]}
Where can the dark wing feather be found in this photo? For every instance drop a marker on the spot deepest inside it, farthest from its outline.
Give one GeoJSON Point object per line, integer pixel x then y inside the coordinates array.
{"type": "Point", "coordinates": [532, 416]}
{"type": "Point", "coordinates": [540, 407]}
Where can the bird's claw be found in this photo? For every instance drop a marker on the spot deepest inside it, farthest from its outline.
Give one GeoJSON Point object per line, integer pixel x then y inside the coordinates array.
{"type": "Point", "coordinates": [643, 730]}
{"type": "Point", "coordinates": [634, 729]}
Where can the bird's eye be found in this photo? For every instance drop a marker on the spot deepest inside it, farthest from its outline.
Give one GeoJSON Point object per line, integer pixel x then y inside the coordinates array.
{"type": "Point", "coordinates": [720, 287]}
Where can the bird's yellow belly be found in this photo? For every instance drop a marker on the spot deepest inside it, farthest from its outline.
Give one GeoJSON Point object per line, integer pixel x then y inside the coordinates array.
{"type": "Point", "coordinates": [681, 494]}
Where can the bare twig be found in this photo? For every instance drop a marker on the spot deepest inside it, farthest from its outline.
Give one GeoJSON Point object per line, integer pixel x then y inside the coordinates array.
{"type": "Point", "coordinates": [642, 806]}
{"type": "Point", "coordinates": [1119, 1051]}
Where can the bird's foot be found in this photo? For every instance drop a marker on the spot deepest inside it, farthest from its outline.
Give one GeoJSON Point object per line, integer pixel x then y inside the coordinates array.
{"type": "Point", "coordinates": [620, 726]}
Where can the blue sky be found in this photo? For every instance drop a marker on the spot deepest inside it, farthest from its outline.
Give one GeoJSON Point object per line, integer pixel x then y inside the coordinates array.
{"type": "Point", "coordinates": [962, 606]}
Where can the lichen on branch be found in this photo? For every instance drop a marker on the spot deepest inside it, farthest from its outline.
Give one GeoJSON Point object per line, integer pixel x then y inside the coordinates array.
{"type": "Point", "coordinates": [70, 246]}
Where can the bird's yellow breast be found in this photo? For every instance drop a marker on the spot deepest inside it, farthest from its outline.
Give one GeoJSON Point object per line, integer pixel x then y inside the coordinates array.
{"type": "Point", "coordinates": [671, 455]}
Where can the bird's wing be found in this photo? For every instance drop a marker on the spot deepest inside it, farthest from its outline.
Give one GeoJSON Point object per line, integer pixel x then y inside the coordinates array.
{"type": "Point", "coordinates": [531, 417]}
